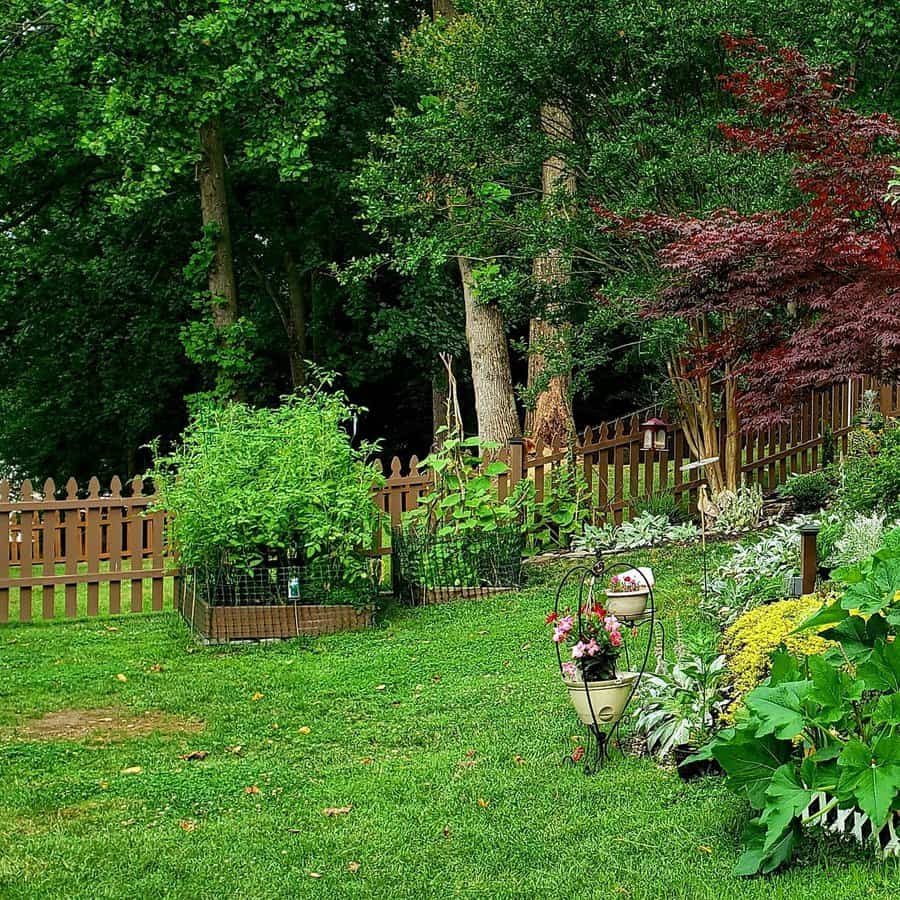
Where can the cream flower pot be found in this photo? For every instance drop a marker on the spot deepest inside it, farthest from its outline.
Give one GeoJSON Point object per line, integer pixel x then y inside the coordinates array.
{"type": "Point", "coordinates": [627, 604]}
{"type": "Point", "coordinates": [608, 698]}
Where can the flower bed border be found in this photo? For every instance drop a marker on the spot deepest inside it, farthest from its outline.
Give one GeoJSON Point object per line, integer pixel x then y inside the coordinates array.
{"type": "Point", "coordinates": [851, 823]}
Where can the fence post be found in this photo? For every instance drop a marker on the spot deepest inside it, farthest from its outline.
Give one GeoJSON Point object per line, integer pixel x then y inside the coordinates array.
{"type": "Point", "coordinates": [809, 561]}
{"type": "Point", "coordinates": [516, 462]}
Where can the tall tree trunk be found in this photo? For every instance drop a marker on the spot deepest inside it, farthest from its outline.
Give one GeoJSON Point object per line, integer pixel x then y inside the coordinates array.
{"type": "Point", "coordinates": [295, 320]}
{"type": "Point", "coordinates": [495, 401]}
{"type": "Point", "coordinates": [551, 416]}
{"type": "Point", "coordinates": [694, 398]}
{"type": "Point", "coordinates": [443, 8]}
{"type": "Point", "coordinates": [214, 210]}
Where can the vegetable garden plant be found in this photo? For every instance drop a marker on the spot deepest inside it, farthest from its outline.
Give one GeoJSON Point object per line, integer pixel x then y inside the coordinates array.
{"type": "Point", "coordinates": [245, 486]}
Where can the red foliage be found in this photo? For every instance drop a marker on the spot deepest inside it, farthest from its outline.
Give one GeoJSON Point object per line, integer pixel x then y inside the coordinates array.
{"type": "Point", "coordinates": [834, 259]}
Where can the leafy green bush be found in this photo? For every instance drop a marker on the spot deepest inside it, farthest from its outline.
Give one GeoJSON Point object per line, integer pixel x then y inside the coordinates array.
{"type": "Point", "coordinates": [754, 574]}
{"type": "Point", "coordinates": [662, 504]}
{"type": "Point", "coordinates": [871, 483]}
{"type": "Point", "coordinates": [860, 537]}
{"type": "Point", "coordinates": [738, 510]}
{"type": "Point", "coordinates": [563, 511]}
{"type": "Point", "coordinates": [810, 492]}
{"type": "Point", "coordinates": [464, 495]}
{"type": "Point", "coordinates": [645, 530]}
{"type": "Point", "coordinates": [681, 708]}
{"type": "Point", "coordinates": [244, 482]}
{"type": "Point", "coordinates": [828, 723]}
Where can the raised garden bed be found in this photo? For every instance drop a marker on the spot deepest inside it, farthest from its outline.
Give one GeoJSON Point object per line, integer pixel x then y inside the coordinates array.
{"type": "Point", "coordinates": [429, 569]}
{"type": "Point", "coordinates": [273, 602]}
{"type": "Point", "coordinates": [262, 622]}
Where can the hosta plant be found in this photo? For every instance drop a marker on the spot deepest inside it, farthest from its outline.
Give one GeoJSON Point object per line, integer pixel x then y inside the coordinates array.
{"type": "Point", "coordinates": [828, 723]}
{"type": "Point", "coordinates": [682, 708]}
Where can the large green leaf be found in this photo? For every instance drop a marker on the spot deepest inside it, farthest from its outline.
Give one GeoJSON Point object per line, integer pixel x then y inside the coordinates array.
{"type": "Point", "coordinates": [777, 709]}
{"type": "Point", "coordinates": [786, 798]}
{"type": "Point", "coordinates": [857, 637]}
{"type": "Point", "coordinates": [756, 858]}
{"type": "Point", "coordinates": [828, 614]}
{"type": "Point", "coordinates": [877, 590]}
{"type": "Point", "coordinates": [870, 776]}
{"type": "Point", "coordinates": [881, 671]}
{"type": "Point", "coordinates": [750, 761]}
{"type": "Point", "coordinates": [831, 689]}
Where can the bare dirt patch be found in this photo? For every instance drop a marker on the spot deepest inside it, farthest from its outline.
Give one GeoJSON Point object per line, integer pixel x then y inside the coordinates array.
{"type": "Point", "coordinates": [109, 724]}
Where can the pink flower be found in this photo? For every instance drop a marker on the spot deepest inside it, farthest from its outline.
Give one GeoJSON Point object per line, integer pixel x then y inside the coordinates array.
{"type": "Point", "coordinates": [592, 648]}
{"type": "Point", "coordinates": [611, 624]}
{"type": "Point", "coordinates": [615, 638]}
{"type": "Point", "coordinates": [569, 669]}
{"type": "Point", "coordinates": [562, 630]}
{"type": "Point", "coordinates": [578, 650]}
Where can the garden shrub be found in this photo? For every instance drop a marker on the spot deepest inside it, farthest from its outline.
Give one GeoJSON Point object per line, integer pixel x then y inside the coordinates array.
{"type": "Point", "coordinates": [738, 510]}
{"type": "Point", "coordinates": [243, 483]}
{"type": "Point", "coordinates": [645, 530]}
{"type": "Point", "coordinates": [809, 492]}
{"type": "Point", "coordinates": [754, 574]}
{"type": "Point", "coordinates": [749, 642]}
{"type": "Point", "coordinates": [873, 482]}
{"type": "Point", "coordinates": [827, 724]}
{"type": "Point", "coordinates": [860, 537]}
{"type": "Point", "coordinates": [662, 504]}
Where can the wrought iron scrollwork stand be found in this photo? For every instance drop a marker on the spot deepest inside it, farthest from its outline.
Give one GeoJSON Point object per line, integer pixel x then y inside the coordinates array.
{"type": "Point", "coordinates": [598, 739]}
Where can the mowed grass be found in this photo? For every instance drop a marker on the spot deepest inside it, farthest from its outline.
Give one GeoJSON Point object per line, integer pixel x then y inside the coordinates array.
{"type": "Point", "coordinates": [443, 730]}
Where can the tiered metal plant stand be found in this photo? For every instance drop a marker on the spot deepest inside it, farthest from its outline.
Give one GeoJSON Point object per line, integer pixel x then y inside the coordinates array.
{"type": "Point", "coordinates": [601, 734]}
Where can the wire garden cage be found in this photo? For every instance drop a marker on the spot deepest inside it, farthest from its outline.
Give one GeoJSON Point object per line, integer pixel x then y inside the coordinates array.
{"type": "Point", "coordinates": [431, 568]}
{"type": "Point", "coordinates": [282, 596]}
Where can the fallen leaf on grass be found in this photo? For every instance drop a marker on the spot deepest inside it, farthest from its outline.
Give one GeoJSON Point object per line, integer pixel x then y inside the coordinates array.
{"type": "Point", "coordinates": [470, 753]}
{"type": "Point", "coordinates": [353, 867]}
{"type": "Point", "coordinates": [156, 667]}
{"type": "Point", "coordinates": [187, 825]}
{"type": "Point", "coordinates": [446, 832]}
{"type": "Point", "coordinates": [380, 687]}
{"type": "Point", "coordinates": [366, 761]}
{"type": "Point", "coordinates": [703, 848]}
{"type": "Point", "coordinates": [484, 804]}
{"type": "Point", "coordinates": [195, 754]}
{"type": "Point", "coordinates": [257, 696]}
{"type": "Point", "coordinates": [315, 874]}
{"type": "Point", "coordinates": [518, 760]}
{"type": "Point", "coordinates": [333, 811]}
{"type": "Point", "coordinates": [251, 789]}
{"type": "Point", "coordinates": [121, 677]}
{"type": "Point", "coordinates": [236, 750]}
{"type": "Point", "coordinates": [304, 729]}
{"type": "Point", "coordinates": [578, 754]}
{"type": "Point", "coordinates": [132, 770]}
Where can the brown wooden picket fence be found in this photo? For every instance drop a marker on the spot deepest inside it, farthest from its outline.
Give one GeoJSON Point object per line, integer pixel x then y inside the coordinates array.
{"type": "Point", "coordinates": [75, 555]}
{"type": "Point", "coordinates": [64, 556]}
{"type": "Point", "coordinates": [617, 471]}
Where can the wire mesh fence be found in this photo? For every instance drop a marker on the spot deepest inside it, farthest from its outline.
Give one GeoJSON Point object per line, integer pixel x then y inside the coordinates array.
{"type": "Point", "coordinates": [280, 597]}
{"type": "Point", "coordinates": [428, 568]}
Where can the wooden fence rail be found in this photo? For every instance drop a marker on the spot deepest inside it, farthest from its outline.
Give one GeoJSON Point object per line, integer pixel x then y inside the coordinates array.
{"type": "Point", "coordinates": [72, 556]}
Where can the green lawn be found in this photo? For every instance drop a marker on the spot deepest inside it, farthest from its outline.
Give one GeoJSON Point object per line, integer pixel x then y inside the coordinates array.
{"type": "Point", "coordinates": [444, 730]}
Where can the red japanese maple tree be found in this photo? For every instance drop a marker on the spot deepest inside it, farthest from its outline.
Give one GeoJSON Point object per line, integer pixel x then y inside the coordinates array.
{"type": "Point", "coordinates": [808, 295]}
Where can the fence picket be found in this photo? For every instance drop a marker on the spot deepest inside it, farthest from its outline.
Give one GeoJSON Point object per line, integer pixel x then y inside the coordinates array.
{"type": "Point", "coordinates": [50, 524]}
